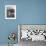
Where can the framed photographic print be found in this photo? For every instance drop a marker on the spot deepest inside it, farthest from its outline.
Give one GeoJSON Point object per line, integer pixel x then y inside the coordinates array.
{"type": "Point", "coordinates": [10, 11]}
{"type": "Point", "coordinates": [33, 32]}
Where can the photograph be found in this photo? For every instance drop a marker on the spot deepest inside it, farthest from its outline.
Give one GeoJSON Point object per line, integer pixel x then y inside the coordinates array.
{"type": "Point", "coordinates": [28, 33]}
{"type": "Point", "coordinates": [10, 11]}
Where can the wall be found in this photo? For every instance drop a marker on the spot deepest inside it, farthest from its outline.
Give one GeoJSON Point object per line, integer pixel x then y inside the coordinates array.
{"type": "Point", "coordinates": [33, 27]}
{"type": "Point", "coordinates": [27, 12]}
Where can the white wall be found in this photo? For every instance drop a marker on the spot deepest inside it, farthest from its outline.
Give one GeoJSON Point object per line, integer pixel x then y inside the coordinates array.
{"type": "Point", "coordinates": [41, 27]}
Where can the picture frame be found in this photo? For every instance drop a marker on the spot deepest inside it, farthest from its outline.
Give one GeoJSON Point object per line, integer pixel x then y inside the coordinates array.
{"type": "Point", "coordinates": [36, 32]}
{"type": "Point", "coordinates": [10, 11]}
